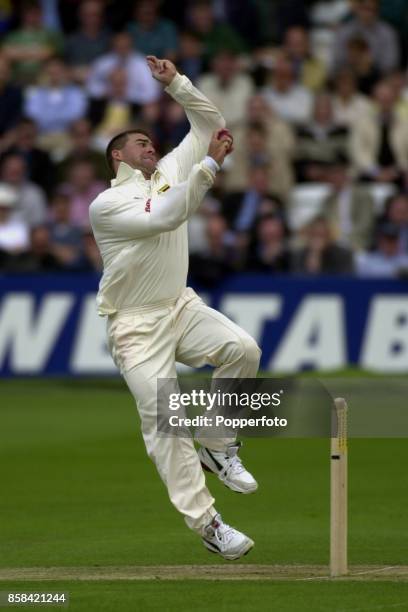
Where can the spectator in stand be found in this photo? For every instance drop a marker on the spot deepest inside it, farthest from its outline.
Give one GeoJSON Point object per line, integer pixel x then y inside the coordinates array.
{"type": "Point", "coordinates": [171, 127]}
{"type": "Point", "coordinates": [290, 100]}
{"type": "Point", "coordinates": [308, 70]}
{"type": "Point", "coordinates": [349, 208]}
{"type": "Point", "coordinates": [397, 80]}
{"type": "Point", "coordinates": [81, 146]}
{"type": "Point", "coordinates": [262, 137]}
{"type": "Point", "coordinates": [65, 236]}
{"type": "Point", "coordinates": [89, 41]}
{"type": "Point", "coordinates": [271, 205]}
{"type": "Point", "coordinates": [197, 225]}
{"type": "Point", "coordinates": [321, 254]}
{"type": "Point", "coordinates": [54, 106]}
{"type": "Point", "coordinates": [380, 36]}
{"type": "Point", "coordinates": [142, 88]}
{"type": "Point", "coordinates": [379, 139]}
{"type": "Point", "coordinates": [243, 16]}
{"type": "Point", "coordinates": [150, 116]}
{"type": "Point", "coordinates": [242, 207]}
{"type": "Point", "coordinates": [41, 256]}
{"type": "Point", "coordinates": [14, 235]}
{"type": "Point", "coordinates": [221, 256]}
{"type": "Point", "coordinates": [190, 58]}
{"type": "Point", "coordinates": [270, 252]}
{"type": "Point", "coordinates": [348, 104]}
{"type": "Point", "coordinates": [286, 14]}
{"type": "Point", "coordinates": [11, 102]}
{"type": "Point", "coordinates": [214, 36]}
{"type": "Point", "coordinates": [396, 212]}
{"type": "Point", "coordinates": [151, 33]}
{"type": "Point", "coordinates": [114, 113]}
{"type": "Point", "coordinates": [31, 205]}
{"type": "Point", "coordinates": [81, 188]}
{"type": "Point", "coordinates": [360, 60]}
{"type": "Point", "coordinates": [227, 86]}
{"type": "Point", "coordinates": [319, 142]}
{"type": "Point", "coordinates": [92, 260]}
{"type": "Point", "coordinates": [40, 167]}
{"type": "Point", "coordinates": [386, 260]}
{"type": "Point", "coordinates": [31, 45]}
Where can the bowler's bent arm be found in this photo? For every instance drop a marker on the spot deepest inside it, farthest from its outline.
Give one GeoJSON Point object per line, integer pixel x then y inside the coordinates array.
{"type": "Point", "coordinates": [127, 219]}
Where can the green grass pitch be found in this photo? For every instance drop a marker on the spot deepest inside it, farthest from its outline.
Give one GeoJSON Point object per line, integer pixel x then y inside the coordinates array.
{"type": "Point", "coordinates": [78, 491]}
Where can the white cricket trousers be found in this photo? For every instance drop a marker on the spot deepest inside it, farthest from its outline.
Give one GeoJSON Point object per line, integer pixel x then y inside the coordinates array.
{"type": "Point", "coordinates": [145, 344]}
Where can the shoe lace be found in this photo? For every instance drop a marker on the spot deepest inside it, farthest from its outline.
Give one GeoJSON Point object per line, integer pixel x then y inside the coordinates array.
{"type": "Point", "coordinates": [223, 532]}
{"type": "Point", "coordinates": [234, 466]}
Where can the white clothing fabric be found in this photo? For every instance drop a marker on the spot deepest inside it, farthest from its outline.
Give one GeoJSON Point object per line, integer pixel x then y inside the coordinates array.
{"type": "Point", "coordinates": [141, 230]}
{"type": "Point", "coordinates": [145, 345]}
{"type": "Point", "coordinates": [294, 106]}
{"type": "Point", "coordinates": [31, 206]}
{"type": "Point", "coordinates": [14, 236]}
{"type": "Point", "coordinates": [144, 245]}
{"type": "Point", "coordinates": [377, 265]}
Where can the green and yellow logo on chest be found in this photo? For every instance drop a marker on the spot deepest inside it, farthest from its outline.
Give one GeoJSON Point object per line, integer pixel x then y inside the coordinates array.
{"type": "Point", "coordinates": [163, 188]}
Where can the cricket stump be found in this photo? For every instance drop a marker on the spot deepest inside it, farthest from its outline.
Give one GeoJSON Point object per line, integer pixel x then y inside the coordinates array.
{"type": "Point", "coordinates": [338, 490]}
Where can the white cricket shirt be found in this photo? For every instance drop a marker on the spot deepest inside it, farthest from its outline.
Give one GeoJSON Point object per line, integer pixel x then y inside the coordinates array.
{"type": "Point", "coordinates": [140, 225]}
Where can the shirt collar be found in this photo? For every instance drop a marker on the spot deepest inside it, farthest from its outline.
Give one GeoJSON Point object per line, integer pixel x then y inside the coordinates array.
{"type": "Point", "coordinates": [126, 173]}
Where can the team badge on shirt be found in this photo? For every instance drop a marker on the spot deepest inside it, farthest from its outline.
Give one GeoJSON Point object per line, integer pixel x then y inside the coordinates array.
{"type": "Point", "coordinates": [147, 207]}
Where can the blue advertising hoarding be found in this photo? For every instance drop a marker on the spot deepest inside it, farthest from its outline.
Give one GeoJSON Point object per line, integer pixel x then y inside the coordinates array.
{"type": "Point", "coordinates": [49, 324]}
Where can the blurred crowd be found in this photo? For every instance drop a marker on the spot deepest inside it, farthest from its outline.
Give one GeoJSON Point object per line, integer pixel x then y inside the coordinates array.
{"type": "Point", "coordinates": [315, 94]}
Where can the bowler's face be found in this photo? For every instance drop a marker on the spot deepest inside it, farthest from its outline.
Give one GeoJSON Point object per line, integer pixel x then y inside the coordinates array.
{"type": "Point", "coordinates": [139, 153]}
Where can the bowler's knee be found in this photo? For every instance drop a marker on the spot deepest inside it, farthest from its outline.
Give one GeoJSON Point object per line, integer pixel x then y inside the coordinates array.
{"type": "Point", "coordinates": [244, 348]}
{"type": "Point", "coordinates": [252, 351]}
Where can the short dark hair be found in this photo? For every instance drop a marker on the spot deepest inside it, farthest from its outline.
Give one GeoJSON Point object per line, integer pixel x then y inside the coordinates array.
{"type": "Point", "coordinates": [118, 142]}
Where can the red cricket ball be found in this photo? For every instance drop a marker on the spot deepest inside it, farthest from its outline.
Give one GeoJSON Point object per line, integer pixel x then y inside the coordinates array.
{"type": "Point", "coordinates": [226, 132]}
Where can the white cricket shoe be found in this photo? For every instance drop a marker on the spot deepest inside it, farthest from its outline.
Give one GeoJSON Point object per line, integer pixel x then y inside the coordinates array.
{"type": "Point", "coordinates": [228, 467]}
{"type": "Point", "coordinates": [226, 541]}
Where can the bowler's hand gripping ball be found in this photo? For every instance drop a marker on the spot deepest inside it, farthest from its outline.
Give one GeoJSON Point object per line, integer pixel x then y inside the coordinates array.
{"type": "Point", "coordinates": [226, 132]}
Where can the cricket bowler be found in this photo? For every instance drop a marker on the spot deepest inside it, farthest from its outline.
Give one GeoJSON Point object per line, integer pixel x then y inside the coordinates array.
{"type": "Point", "coordinates": [153, 319]}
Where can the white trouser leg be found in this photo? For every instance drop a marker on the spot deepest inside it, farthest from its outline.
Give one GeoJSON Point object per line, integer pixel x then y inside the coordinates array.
{"type": "Point", "coordinates": [144, 347]}
{"type": "Point", "coordinates": [206, 337]}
